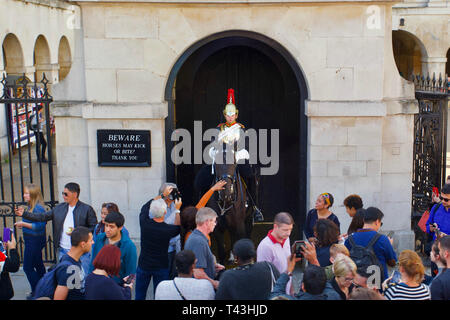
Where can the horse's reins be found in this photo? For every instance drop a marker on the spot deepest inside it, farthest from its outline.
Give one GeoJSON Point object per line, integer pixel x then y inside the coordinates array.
{"type": "Point", "coordinates": [223, 210]}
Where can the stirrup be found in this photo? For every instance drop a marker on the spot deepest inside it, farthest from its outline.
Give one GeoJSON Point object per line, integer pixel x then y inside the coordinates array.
{"type": "Point", "coordinates": [257, 215]}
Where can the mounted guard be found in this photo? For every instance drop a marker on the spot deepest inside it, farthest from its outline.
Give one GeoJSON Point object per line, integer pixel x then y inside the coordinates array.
{"type": "Point", "coordinates": [231, 144]}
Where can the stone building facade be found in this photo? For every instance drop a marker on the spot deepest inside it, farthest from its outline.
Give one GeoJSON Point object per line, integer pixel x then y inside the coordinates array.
{"type": "Point", "coordinates": [356, 111]}
{"type": "Point", "coordinates": [37, 37]}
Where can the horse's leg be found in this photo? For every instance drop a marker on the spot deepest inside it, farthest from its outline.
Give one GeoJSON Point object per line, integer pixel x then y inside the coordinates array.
{"type": "Point", "coordinates": [218, 234]}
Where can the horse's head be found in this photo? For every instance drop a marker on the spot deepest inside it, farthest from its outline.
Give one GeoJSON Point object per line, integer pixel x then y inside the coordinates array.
{"type": "Point", "coordinates": [226, 170]}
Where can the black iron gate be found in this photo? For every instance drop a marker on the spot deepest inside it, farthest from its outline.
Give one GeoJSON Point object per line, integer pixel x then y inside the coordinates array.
{"type": "Point", "coordinates": [23, 162]}
{"type": "Point", "coordinates": [430, 142]}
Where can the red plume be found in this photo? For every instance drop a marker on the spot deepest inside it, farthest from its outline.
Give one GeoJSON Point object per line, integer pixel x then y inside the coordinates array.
{"type": "Point", "coordinates": [230, 97]}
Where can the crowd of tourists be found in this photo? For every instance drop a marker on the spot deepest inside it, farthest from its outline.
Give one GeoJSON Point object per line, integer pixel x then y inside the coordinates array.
{"type": "Point", "coordinates": [97, 260]}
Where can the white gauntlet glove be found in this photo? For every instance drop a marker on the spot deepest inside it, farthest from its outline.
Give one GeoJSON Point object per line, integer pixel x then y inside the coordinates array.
{"type": "Point", "coordinates": [212, 153]}
{"type": "Point", "coordinates": [241, 154]}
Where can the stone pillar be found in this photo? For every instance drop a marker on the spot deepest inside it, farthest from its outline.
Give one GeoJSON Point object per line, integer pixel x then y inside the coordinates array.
{"type": "Point", "coordinates": [76, 126]}
{"type": "Point", "coordinates": [435, 65]}
{"type": "Point", "coordinates": [51, 72]}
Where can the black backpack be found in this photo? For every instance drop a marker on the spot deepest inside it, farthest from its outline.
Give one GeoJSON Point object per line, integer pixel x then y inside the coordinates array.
{"type": "Point", "coordinates": [364, 256]}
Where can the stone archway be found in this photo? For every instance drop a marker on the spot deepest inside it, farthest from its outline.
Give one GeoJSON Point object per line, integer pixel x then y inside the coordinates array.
{"type": "Point", "coordinates": [64, 58]}
{"type": "Point", "coordinates": [409, 53]}
{"type": "Point", "coordinates": [196, 90]}
{"type": "Point", "coordinates": [13, 59]}
{"type": "Point", "coordinates": [42, 63]}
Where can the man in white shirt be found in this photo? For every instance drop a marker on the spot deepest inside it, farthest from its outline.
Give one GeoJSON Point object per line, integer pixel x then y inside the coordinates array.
{"type": "Point", "coordinates": [276, 247]}
{"type": "Point", "coordinates": [66, 217]}
{"type": "Point", "coordinates": [184, 286]}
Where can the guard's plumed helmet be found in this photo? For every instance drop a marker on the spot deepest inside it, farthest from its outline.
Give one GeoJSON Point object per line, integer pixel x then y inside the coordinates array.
{"type": "Point", "coordinates": [230, 108]}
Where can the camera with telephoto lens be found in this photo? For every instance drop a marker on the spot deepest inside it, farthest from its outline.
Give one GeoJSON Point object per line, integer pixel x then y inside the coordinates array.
{"type": "Point", "coordinates": [174, 194]}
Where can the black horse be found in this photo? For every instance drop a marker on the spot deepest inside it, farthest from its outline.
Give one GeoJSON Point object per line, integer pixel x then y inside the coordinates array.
{"type": "Point", "coordinates": [231, 205]}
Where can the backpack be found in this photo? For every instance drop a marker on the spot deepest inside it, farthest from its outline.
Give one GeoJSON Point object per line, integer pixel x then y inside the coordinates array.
{"type": "Point", "coordinates": [47, 284]}
{"type": "Point", "coordinates": [32, 123]}
{"type": "Point", "coordinates": [364, 256]}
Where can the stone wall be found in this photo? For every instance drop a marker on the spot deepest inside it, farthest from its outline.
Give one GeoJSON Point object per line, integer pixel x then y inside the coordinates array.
{"type": "Point", "coordinates": [359, 108]}
{"type": "Point", "coordinates": [28, 21]}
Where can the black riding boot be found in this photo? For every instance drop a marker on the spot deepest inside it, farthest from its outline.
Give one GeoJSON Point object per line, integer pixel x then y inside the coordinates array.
{"type": "Point", "coordinates": [257, 215]}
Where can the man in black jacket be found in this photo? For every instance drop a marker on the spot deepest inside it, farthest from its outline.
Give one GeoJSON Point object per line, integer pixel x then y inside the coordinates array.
{"type": "Point", "coordinates": [9, 262]}
{"type": "Point", "coordinates": [66, 217]}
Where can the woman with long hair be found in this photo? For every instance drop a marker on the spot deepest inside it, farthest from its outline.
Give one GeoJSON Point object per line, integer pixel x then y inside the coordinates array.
{"type": "Point", "coordinates": [327, 233]}
{"type": "Point", "coordinates": [33, 236]}
{"type": "Point", "coordinates": [107, 207]}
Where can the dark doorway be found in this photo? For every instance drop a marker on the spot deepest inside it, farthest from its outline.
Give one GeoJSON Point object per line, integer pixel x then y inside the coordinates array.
{"type": "Point", "coordinates": [268, 96]}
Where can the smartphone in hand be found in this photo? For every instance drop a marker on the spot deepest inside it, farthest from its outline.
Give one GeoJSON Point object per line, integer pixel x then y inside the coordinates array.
{"type": "Point", "coordinates": [297, 247]}
{"type": "Point", "coordinates": [7, 234]}
{"type": "Point", "coordinates": [396, 277]}
{"type": "Point", "coordinates": [131, 278]}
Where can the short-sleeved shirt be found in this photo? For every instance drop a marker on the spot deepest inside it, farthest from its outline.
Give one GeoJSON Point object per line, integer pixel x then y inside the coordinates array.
{"type": "Point", "coordinates": [382, 248]}
{"type": "Point", "coordinates": [72, 277]}
{"type": "Point", "coordinates": [190, 288]}
{"type": "Point", "coordinates": [311, 219]}
{"type": "Point", "coordinates": [272, 251]}
{"type": "Point", "coordinates": [155, 237]}
{"type": "Point", "coordinates": [198, 243]}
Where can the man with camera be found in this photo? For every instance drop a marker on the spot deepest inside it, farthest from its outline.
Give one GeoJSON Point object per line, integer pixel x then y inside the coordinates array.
{"type": "Point", "coordinates": [172, 197]}
{"type": "Point", "coordinates": [156, 234]}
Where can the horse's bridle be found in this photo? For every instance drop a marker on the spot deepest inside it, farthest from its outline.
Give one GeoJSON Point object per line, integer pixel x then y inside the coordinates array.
{"type": "Point", "coordinates": [221, 202]}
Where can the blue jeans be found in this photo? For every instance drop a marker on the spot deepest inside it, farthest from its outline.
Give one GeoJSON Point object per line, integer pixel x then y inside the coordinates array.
{"type": "Point", "coordinates": [85, 259]}
{"type": "Point", "coordinates": [143, 279]}
{"type": "Point", "coordinates": [33, 265]}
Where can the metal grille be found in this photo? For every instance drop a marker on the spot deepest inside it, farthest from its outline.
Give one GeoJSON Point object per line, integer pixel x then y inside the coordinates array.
{"type": "Point", "coordinates": [430, 141]}
{"type": "Point", "coordinates": [20, 164]}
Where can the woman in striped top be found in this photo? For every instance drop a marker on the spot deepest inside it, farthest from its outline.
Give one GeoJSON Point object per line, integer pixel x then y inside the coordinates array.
{"type": "Point", "coordinates": [411, 286]}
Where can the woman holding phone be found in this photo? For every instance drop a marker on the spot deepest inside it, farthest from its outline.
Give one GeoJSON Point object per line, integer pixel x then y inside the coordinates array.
{"type": "Point", "coordinates": [99, 284]}
{"type": "Point", "coordinates": [34, 237]}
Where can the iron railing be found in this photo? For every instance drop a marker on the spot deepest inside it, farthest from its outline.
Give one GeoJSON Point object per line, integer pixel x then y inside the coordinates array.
{"type": "Point", "coordinates": [430, 144]}
{"type": "Point", "coordinates": [22, 100]}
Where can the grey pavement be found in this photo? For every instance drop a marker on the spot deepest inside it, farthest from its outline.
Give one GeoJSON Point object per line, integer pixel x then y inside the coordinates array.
{"type": "Point", "coordinates": [22, 287]}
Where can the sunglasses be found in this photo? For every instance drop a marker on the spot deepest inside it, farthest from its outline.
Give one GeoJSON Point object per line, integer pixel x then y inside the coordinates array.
{"type": "Point", "coordinates": [444, 199]}
{"type": "Point", "coordinates": [65, 194]}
